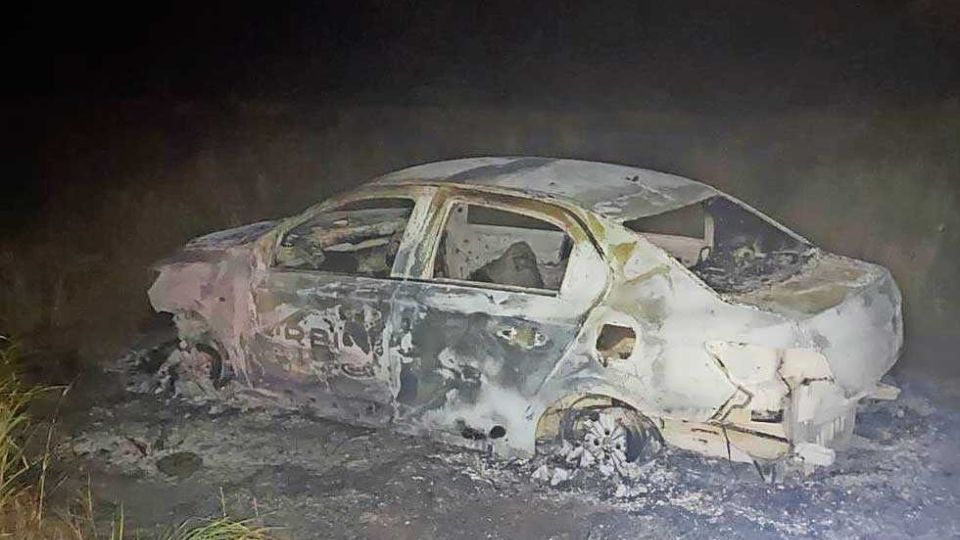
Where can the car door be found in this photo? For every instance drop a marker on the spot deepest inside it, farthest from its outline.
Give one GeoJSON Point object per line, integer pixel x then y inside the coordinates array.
{"type": "Point", "coordinates": [501, 293]}
{"type": "Point", "coordinates": [324, 308]}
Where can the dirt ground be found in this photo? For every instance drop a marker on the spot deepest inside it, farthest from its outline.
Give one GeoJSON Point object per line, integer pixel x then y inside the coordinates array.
{"type": "Point", "coordinates": [164, 460]}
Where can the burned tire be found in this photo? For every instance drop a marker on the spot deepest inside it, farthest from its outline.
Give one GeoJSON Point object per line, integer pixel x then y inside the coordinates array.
{"type": "Point", "coordinates": [216, 371]}
{"type": "Point", "coordinates": [203, 362]}
{"type": "Point", "coordinates": [615, 433]}
{"type": "Point", "coordinates": [193, 371]}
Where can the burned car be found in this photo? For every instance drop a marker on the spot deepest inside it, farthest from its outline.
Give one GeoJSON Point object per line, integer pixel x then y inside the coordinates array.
{"type": "Point", "coordinates": [511, 304]}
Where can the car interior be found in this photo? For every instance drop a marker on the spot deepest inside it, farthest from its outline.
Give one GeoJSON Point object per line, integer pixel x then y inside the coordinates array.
{"type": "Point", "coordinates": [360, 238]}
{"type": "Point", "coordinates": [489, 245]}
{"type": "Point", "coordinates": [729, 247]}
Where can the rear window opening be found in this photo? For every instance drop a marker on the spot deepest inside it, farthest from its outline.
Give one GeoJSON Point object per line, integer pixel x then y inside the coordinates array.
{"type": "Point", "coordinates": [729, 247]}
{"type": "Point", "coordinates": [488, 245]}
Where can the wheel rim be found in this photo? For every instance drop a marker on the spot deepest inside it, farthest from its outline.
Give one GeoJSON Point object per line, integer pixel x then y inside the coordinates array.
{"type": "Point", "coordinates": [609, 437]}
{"type": "Point", "coordinates": [606, 437]}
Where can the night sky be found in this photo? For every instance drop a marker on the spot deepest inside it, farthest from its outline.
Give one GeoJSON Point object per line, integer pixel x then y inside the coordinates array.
{"type": "Point", "coordinates": [706, 54]}
{"type": "Point", "coordinates": [738, 57]}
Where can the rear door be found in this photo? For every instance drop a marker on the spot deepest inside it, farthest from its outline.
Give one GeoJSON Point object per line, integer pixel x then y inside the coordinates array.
{"type": "Point", "coordinates": [325, 305]}
{"type": "Point", "coordinates": [502, 291]}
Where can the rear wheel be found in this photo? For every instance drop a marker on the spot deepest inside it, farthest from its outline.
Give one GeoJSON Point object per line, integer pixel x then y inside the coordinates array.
{"type": "Point", "coordinates": [613, 435]}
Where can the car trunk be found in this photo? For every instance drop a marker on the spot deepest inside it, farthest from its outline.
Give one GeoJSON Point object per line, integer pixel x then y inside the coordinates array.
{"type": "Point", "coordinates": [849, 310]}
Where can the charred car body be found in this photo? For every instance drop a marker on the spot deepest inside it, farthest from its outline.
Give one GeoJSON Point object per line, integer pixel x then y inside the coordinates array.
{"type": "Point", "coordinates": [507, 303]}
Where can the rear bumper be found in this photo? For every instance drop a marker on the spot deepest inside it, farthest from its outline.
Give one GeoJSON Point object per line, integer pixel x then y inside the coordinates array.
{"type": "Point", "coordinates": [788, 404]}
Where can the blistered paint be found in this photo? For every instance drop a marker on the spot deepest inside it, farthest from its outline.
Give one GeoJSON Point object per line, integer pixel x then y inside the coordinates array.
{"type": "Point", "coordinates": [751, 376]}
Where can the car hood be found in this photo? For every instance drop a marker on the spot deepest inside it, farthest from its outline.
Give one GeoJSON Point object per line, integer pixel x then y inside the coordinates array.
{"type": "Point", "coordinates": [213, 247]}
{"type": "Point", "coordinates": [229, 238]}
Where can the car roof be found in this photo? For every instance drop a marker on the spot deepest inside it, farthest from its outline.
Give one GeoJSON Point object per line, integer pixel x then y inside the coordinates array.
{"type": "Point", "coordinates": [617, 192]}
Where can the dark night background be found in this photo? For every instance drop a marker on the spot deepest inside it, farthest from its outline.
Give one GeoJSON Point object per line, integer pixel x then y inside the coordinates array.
{"type": "Point", "coordinates": [132, 128]}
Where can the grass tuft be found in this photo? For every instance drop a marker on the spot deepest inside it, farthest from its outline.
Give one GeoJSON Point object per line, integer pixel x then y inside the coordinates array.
{"type": "Point", "coordinates": [222, 528]}
{"type": "Point", "coordinates": [14, 423]}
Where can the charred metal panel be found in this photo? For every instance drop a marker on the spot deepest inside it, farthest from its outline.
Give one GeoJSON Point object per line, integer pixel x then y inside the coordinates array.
{"type": "Point", "coordinates": [210, 288]}
{"type": "Point", "coordinates": [472, 359]}
{"type": "Point", "coordinates": [320, 341]}
{"type": "Point", "coordinates": [861, 337]}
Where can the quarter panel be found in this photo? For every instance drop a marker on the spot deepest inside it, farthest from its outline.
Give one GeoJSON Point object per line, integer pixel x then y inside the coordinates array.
{"type": "Point", "coordinates": [670, 372]}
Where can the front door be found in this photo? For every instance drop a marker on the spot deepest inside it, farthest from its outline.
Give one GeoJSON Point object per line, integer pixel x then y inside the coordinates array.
{"type": "Point", "coordinates": [324, 310]}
